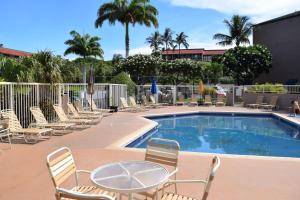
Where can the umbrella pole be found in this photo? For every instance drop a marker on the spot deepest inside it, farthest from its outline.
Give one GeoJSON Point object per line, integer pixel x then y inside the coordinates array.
{"type": "Point", "coordinates": [91, 101]}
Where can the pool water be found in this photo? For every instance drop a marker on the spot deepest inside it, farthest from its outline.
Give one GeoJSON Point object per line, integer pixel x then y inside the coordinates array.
{"type": "Point", "coordinates": [261, 135]}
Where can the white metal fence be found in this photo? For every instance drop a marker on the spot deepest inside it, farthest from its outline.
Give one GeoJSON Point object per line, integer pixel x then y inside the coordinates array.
{"type": "Point", "coordinates": [171, 93]}
{"type": "Point", "coordinates": [21, 96]}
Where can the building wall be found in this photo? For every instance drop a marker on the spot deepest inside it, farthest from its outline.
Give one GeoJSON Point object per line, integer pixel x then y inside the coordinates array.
{"type": "Point", "coordinates": [283, 39]}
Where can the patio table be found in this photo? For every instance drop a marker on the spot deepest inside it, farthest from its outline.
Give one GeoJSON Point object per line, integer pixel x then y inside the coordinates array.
{"type": "Point", "coordinates": [130, 177]}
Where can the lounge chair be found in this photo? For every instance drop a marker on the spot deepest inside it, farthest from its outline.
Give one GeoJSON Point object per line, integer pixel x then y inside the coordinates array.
{"type": "Point", "coordinates": [134, 104]}
{"type": "Point", "coordinates": [30, 135]}
{"type": "Point", "coordinates": [95, 108]}
{"type": "Point", "coordinates": [80, 123]}
{"type": "Point", "coordinates": [125, 107]}
{"type": "Point", "coordinates": [5, 135]}
{"type": "Point", "coordinates": [41, 122]}
{"type": "Point", "coordinates": [81, 110]}
{"type": "Point", "coordinates": [207, 183]}
{"type": "Point", "coordinates": [272, 104]}
{"type": "Point", "coordinates": [194, 101]}
{"type": "Point", "coordinates": [164, 152]}
{"type": "Point", "coordinates": [180, 101]}
{"type": "Point", "coordinates": [148, 104]}
{"type": "Point", "coordinates": [258, 102]}
{"type": "Point", "coordinates": [220, 100]}
{"type": "Point", "coordinates": [153, 101]}
{"type": "Point", "coordinates": [62, 167]}
{"type": "Point", "coordinates": [207, 100]}
{"type": "Point", "coordinates": [95, 119]}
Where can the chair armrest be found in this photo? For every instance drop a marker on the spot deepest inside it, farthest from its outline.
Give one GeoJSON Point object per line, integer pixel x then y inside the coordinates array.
{"type": "Point", "coordinates": [83, 171]}
{"type": "Point", "coordinates": [187, 181]}
{"type": "Point", "coordinates": [173, 172]}
{"type": "Point", "coordinates": [77, 195]}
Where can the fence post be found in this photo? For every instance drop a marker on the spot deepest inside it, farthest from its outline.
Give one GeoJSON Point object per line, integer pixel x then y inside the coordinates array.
{"type": "Point", "coordinates": [174, 94]}
{"type": "Point", "coordinates": [110, 94]}
{"type": "Point", "coordinates": [59, 94]}
{"type": "Point", "coordinates": [37, 95]}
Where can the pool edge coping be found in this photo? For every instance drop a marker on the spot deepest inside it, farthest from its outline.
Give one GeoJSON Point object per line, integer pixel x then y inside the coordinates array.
{"type": "Point", "coordinates": [150, 124]}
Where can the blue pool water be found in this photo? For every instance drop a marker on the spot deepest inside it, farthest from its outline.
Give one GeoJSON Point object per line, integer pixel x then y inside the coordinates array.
{"type": "Point", "coordinates": [261, 135]}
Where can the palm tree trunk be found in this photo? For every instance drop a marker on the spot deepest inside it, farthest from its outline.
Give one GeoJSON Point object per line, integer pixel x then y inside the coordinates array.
{"type": "Point", "coordinates": [166, 51]}
{"type": "Point", "coordinates": [84, 72]}
{"type": "Point", "coordinates": [127, 39]}
{"type": "Point", "coordinates": [179, 51]}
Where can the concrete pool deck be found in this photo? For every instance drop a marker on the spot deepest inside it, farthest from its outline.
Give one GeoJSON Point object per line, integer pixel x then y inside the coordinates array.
{"type": "Point", "coordinates": [24, 174]}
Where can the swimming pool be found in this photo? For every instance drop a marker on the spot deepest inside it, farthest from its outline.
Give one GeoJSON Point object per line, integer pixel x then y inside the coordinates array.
{"type": "Point", "coordinates": [227, 133]}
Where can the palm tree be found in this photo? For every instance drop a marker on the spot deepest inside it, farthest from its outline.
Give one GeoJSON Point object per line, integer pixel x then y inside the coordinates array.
{"type": "Point", "coordinates": [155, 41]}
{"type": "Point", "coordinates": [84, 46]}
{"type": "Point", "coordinates": [239, 31]}
{"type": "Point", "coordinates": [181, 40]}
{"type": "Point", "coordinates": [1, 45]}
{"type": "Point", "coordinates": [167, 39]}
{"type": "Point", "coordinates": [127, 12]}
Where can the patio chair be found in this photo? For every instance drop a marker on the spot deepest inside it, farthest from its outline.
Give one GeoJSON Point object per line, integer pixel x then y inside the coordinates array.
{"type": "Point", "coordinates": [81, 110]}
{"type": "Point", "coordinates": [134, 104]}
{"type": "Point", "coordinates": [5, 134]}
{"type": "Point", "coordinates": [180, 101]}
{"type": "Point", "coordinates": [95, 119]}
{"type": "Point", "coordinates": [153, 101]}
{"type": "Point", "coordinates": [62, 167]}
{"type": "Point", "coordinates": [194, 101]}
{"type": "Point", "coordinates": [30, 135]}
{"type": "Point", "coordinates": [207, 100]}
{"type": "Point", "coordinates": [125, 107]}
{"type": "Point", "coordinates": [258, 102]}
{"type": "Point", "coordinates": [148, 104]}
{"type": "Point", "coordinates": [80, 123]}
{"type": "Point", "coordinates": [207, 183]}
{"type": "Point", "coordinates": [41, 122]}
{"type": "Point", "coordinates": [220, 100]}
{"type": "Point", "coordinates": [164, 152]}
{"type": "Point", "coordinates": [272, 104]}
{"type": "Point", "coordinates": [92, 104]}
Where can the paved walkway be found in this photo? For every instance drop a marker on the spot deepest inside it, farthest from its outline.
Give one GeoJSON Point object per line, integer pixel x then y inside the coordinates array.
{"type": "Point", "coordinates": [23, 172]}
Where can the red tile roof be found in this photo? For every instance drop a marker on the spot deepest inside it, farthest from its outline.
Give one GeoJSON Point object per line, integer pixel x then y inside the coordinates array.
{"type": "Point", "coordinates": [13, 52]}
{"type": "Point", "coordinates": [194, 51]}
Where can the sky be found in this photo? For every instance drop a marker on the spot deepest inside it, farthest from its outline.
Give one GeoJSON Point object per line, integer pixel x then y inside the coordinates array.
{"type": "Point", "coordinates": [35, 25]}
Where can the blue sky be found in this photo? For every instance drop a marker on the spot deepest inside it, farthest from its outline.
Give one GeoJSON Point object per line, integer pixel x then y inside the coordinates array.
{"type": "Point", "coordinates": [33, 25]}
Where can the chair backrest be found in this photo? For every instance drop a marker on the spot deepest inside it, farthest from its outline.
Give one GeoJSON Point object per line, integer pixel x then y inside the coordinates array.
{"type": "Point", "coordinates": [60, 113]}
{"type": "Point", "coordinates": [181, 98]}
{"type": "Point", "coordinates": [207, 98]}
{"type": "Point", "coordinates": [72, 110]}
{"type": "Point", "coordinates": [13, 121]}
{"type": "Point", "coordinates": [61, 165]}
{"type": "Point", "coordinates": [152, 99]}
{"type": "Point", "coordinates": [212, 172]}
{"type": "Point", "coordinates": [132, 101]}
{"type": "Point", "coordinates": [38, 115]}
{"type": "Point", "coordinates": [220, 98]}
{"type": "Point", "coordinates": [259, 99]}
{"type": "Point", "coordinates": [78, 106]}
{"type": "Point", "coordinates": [162, 151]}
{"type": "Point", "coordinates": [124, 102]}
{"type": "Point", "coordinates": [273, 100]}
{"type": "Point", "coordinates": [193, 98]}
{"type": "Point", "coordinates": [92, 103]}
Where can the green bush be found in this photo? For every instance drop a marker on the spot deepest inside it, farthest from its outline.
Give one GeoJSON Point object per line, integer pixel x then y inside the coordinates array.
{"type": "Point", "coordinates": [123, 78]}
{"type": "Point", "coordinates": [209, 91]}
{"type": "Point", "coordinates": [267, 88]}
{"type": "Point", "coordinates": [226, 80]}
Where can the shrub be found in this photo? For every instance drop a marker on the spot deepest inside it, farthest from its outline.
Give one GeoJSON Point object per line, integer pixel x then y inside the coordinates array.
{"type": "Point", "coordinates": [267, 88]}
{"type": "Point", "coordinates": [245, 64]}
{"type": "Point", "coordinates": [123, 78]}
{"type": "Point", "coordinates": [209, 91]}
{"type": "Point", "coordinates": [226, 80]}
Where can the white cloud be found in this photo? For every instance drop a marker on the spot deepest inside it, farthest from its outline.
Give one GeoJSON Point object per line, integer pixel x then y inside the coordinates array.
{"type": "Point", "coordinates": [260, 10]}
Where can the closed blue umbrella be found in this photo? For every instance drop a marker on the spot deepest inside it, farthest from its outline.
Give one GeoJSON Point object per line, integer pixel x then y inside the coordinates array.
{"type": "Point", "coordinates": [153, 87]}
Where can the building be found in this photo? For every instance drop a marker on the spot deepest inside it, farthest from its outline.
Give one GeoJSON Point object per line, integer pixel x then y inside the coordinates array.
{"type": "Point", "coordinates": [13, 53]}
{"type": "Point", "coordinates": [282, 36]}
{"type": "Point", "coordinates": [194, 54]}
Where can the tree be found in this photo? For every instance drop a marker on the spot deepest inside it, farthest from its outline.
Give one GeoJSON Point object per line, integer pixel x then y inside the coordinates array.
{"type": "Point", "coordinates": [167, 39]}
{"type": "Point", "coordinates": [181, 40]}
{"type": "Point", "coordinates": [245, 64]}
{"type": "Point", "coordinates": [127, 12]}
{"type": "Point", "coordinates": [1, 45]}
{"type": "Point", "coordinates": [117, 58]}
{"type": "Point", "coordinates": [47, 67]}
{"type": "Point", "coordinates": [84, 46]}
{"type": "Point", "coordinates": [123, 78]}
{"type": "Point", "coordinates": [155, 41]}
{"type": "Point", "coordinates": [239, 31]}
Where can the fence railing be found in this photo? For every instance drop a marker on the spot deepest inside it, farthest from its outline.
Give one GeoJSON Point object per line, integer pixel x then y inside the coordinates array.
{"type": "Point", "coordinates": [21, 96]}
